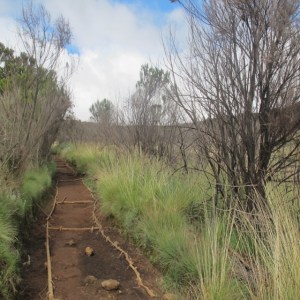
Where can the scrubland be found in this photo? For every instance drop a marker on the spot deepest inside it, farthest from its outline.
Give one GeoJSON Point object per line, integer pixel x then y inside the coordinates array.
{"type": "Point", "coordinates": [204, 253]}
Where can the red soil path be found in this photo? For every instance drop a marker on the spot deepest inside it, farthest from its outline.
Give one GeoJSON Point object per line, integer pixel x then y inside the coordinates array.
{"type": "Point", "coordinates": [70, 265]}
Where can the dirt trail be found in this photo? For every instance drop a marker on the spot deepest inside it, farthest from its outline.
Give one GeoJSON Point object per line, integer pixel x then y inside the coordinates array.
{"type": "Point", "coordinates": [70, 265]}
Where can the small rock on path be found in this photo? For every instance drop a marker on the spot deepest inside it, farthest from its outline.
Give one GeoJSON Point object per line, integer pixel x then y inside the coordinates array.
{"type": "Point", "coordinates": [110, 284]}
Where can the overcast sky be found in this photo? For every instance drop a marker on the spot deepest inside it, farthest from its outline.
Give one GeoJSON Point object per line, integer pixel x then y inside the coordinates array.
{"type": "Point", "coordinates": [111, 38]}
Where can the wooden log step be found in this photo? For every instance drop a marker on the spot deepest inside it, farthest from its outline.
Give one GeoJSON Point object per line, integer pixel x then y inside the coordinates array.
{"type": "Point", "coordinates": [69, 180]}
{"type": "Point", "coordinates": [75, 202]}
{"type": "Point", "coordinates": [60, 228]}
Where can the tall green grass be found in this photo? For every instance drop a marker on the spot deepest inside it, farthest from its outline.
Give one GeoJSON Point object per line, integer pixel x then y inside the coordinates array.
{"type": "Point", "coordinates": [9, 256]}
{"type": "Point", "coordinates": [204, 253]}
{"type": "Point", "coordinates": [17, 199]}
{"type": "Point", "coordinates": [34, 183]}
{"type": "Point", "coordinates": [276, 259]}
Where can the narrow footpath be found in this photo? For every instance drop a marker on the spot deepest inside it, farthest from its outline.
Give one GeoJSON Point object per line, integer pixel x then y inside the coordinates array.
{"type": "Point", "coordinates": [85, 250]}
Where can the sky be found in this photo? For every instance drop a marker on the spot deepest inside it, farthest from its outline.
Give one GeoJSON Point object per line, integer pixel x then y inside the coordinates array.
{"type": "Point", "coordinates": [111, 40]}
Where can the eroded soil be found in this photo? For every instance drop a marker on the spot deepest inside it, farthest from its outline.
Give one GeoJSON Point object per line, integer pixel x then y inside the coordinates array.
{"type": "Point", "coordinates": [70, 265]}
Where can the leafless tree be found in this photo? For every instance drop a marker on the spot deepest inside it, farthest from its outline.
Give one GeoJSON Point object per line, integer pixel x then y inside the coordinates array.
{"type": "Point", "coordinates": [105, 115]}
{"type": "Point", "coordinates": [239, 84]}
{"type": "Point", "coordinates": [36, 99]}
{"type": "Point", "coordinates": [150, 112]}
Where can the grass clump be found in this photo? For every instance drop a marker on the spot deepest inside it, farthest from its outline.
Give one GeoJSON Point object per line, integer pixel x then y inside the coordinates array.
{"type": "Point", "coordinates": [17, 200]}
{"type": "Point", "coordinates": [35, 181]}
{"type": "Point", "coordinates": [212, 255]}
{"type": "Point", "coordinates": [276, 262]}
{"type": "Point", "coordinates": [88, 159]}
{"type": "Point", "coordinates": [9, 256]}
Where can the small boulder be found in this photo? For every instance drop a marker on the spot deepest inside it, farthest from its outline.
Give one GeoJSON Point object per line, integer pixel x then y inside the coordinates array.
{"type": "Point", "coordinates": [110, 284]}
{"type": "Point", "coordinates": [89, 251]}
{"type": "Point", "coordinates": [169, 296]}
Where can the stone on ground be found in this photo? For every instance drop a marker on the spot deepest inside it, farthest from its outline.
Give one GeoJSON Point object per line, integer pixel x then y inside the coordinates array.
{"type": "Point", "coordinates": [89, 251]}
{"type": "Point", "coordinates": [110, 284]}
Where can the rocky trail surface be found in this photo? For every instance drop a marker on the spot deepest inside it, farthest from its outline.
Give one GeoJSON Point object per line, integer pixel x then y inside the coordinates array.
{"type": "Point", "coordinates": [84, 252]}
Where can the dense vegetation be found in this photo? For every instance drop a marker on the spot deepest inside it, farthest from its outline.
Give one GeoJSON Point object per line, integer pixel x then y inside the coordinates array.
{"type": "Point", "coordinates": [200, 168]}
{"type": "Point", "coordinates": [204, 252]}
{"type": "Point", "coordinates": [18, 206]}
{"type": "Point", "coordinates": [33, 102]}
{"type": "Point", "coordinates": [208, 184]}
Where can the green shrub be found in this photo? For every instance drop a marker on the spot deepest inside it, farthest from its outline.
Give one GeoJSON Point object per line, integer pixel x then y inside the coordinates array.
{"type": "Point", "coordinates": [15, 209]}
{"type": "Point", "coordinates": [35, 182]}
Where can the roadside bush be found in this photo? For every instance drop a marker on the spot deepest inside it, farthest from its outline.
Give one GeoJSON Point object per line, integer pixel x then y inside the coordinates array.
{"type": "Point", "coordinates": [16, 209]}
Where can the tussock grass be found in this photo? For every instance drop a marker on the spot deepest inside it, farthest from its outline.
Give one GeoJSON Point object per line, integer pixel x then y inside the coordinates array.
{"type": "Point", "coordinates": [276, 260]}
{"type": "Point", "coordinates": [34, 183]}
{"type": "Point", "coordinates": [16, 210]}
{"type": "Point", "coordinates": [88, 158]}
{"type": "Point", "coordinates": [204, 253]}
{"type": "Point", "coordinates": [9, 256]}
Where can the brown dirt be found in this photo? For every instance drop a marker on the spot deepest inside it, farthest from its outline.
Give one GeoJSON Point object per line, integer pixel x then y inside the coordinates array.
{"type": "Point", "coordinates": [70, 265]}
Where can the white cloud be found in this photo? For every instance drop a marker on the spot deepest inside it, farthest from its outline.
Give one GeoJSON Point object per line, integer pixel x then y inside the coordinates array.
{"type": "Point", "coordinates": [8, 32]}
{"type": "Point", "coordinates": [176, 20]}
{"type": "Point", "coordinates": [114, 41]}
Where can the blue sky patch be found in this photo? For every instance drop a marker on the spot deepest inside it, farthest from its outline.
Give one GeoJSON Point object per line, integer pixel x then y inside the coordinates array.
{"type": "Point", "coordinates": [153, 5]}
{"type": "Point", "coordinates": [73, 49]}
